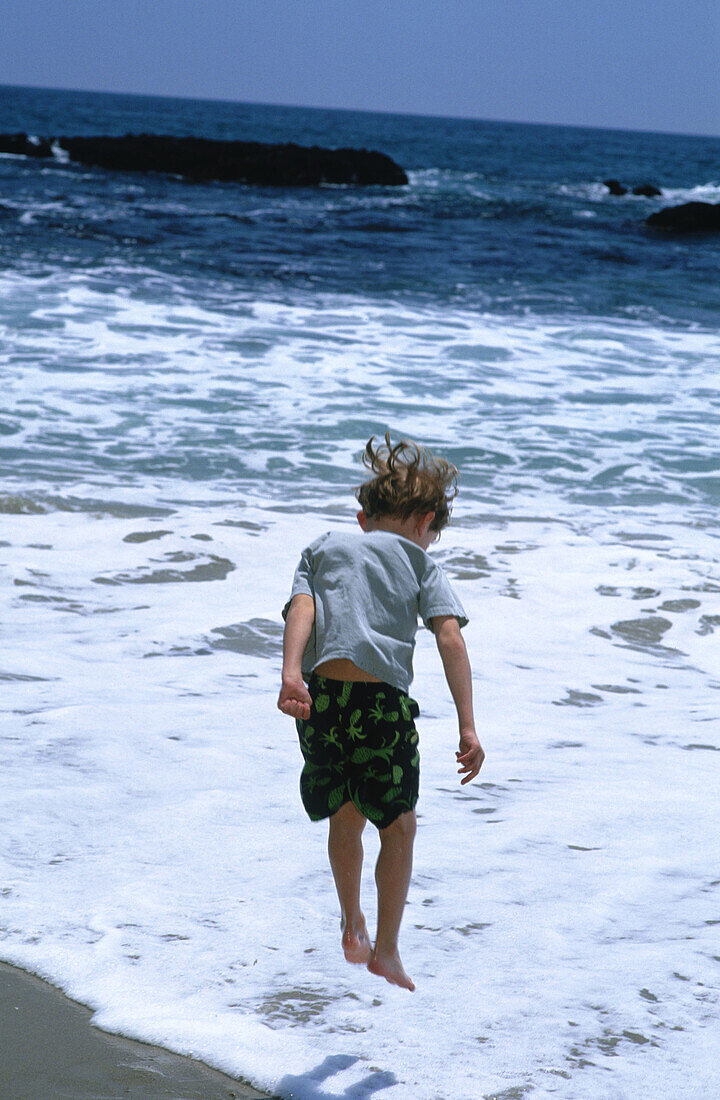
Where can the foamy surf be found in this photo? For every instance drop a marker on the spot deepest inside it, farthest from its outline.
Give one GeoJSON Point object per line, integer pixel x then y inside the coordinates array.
{"type": "Point", "coordinates": [120, 387]}
{"type": "Point", "coordinates": [189, 377]}
{"type": "Point", "coordinates": [162, 870]}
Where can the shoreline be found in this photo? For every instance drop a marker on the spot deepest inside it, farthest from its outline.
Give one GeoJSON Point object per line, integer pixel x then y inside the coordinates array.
{"type": "Point", "coordinates": [48, 1047]}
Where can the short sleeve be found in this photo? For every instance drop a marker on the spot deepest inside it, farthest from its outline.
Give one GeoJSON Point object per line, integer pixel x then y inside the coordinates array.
{"type": "Point", "coordinates": [302, 581]}
{"type": "Point", "coordinates": [437, 597]}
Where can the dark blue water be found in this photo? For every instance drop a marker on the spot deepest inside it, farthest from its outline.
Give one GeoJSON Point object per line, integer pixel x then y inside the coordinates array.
{"type": "Point", "coordinates": [189, 374]}
{"type": "Point", "coordinates": [500, 217]}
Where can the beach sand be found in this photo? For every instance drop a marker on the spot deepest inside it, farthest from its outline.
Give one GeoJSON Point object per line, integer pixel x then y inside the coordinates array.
{"type": "Point", "coordinates": [50, 1051]}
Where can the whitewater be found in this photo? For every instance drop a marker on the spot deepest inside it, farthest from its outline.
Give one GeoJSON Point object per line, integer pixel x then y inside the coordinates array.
{"type": "Point", "coordinates": [561, 924]}
{"type": "Point", "coordinates": [189, 376]}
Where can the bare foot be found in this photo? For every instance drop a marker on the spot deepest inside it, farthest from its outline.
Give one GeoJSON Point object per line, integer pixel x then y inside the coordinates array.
{"type": "Point", "coordinates": [389, 966]}
{"type": "Point", "coordinates": [356, 942]}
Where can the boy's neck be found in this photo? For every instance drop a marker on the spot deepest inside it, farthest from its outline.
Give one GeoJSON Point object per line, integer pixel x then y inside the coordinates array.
{"type": "Point", "coordinates": [415, 528]}
{"type": "Point", "coordinates": [393, 524]}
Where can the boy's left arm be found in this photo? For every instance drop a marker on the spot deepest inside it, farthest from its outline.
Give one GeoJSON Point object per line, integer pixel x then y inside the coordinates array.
{"type": "Point", "coordinates": [455, 661]}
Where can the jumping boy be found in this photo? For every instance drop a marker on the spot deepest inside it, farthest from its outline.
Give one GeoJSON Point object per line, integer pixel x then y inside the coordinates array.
{"type": "Point", "coordinates": [350, 626]}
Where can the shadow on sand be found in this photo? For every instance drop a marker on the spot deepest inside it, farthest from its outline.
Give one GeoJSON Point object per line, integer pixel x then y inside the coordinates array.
{"type": "Point", "coordinates": [308, 1086]}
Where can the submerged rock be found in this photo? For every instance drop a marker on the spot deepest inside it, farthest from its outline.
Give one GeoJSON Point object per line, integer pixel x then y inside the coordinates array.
{"type": "Point", "coordinates": [251, 162]}
{"type": "Point", "coordinates": [649, 190]}
{"type": "Point", "coordinates": [689, 217]}
{"type": "Point", "coordinates": [22, 145]}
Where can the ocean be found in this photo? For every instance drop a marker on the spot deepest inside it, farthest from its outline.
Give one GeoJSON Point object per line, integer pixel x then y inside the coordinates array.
{"type": "Point", "coordinates": [190, 373]}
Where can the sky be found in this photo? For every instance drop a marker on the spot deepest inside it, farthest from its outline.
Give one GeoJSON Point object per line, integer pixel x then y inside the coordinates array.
{"type": "Point", "coordinates": [626, 64]}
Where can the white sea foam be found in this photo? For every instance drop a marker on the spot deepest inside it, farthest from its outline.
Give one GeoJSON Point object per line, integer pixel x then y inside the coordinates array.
{"type": "Point", "coordinates": [598, 192]}
{"type": "Point", "coordinates": [59, 153]}
{"type": "Point", "coordinates": [704, 192]}
{"type": "Point", "coordinates": [158, 864]}
{"type": "Point", "coordinates": [589, 191]}
{"type": "Point", "coordinates": [200, 381]}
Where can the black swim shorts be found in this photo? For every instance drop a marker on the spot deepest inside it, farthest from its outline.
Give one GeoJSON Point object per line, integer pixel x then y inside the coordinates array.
{"type": "Point", "coordinates": [360, 745]}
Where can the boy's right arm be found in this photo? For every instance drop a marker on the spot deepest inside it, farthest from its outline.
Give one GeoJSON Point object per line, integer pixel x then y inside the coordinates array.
{"type": "Point", "coordinates": [294, 698]}
{"type": "Point", "coordinates": [455, 661]}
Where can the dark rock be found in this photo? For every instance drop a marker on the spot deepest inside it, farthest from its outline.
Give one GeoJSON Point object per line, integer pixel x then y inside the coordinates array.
{"type": "Point", "coordinates": [22, 145]}
{"type": "Point", "coordinates": [615, 187]}
{"type": "Point", "coordinates": [689, 217]}
{"type": "Point", "coordinates": [649, 190]}
{"type": "Point", "coordinates": [235, 161]}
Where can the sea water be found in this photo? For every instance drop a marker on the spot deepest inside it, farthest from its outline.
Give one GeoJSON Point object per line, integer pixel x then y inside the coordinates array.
{"type": "Point", "coordinates": [190, 373]}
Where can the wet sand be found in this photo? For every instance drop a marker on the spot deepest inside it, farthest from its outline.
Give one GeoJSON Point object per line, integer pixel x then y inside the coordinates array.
{"type": "Point", "coordinates": [50, 1051]}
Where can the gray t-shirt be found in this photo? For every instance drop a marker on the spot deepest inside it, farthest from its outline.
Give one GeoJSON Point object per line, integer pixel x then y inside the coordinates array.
{"type": "Point", "coordinates": [369, 590]}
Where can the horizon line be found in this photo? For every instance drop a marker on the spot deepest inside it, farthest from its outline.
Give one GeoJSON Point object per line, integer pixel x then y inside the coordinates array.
{"type": "Point", "coordinates": [359, 110]}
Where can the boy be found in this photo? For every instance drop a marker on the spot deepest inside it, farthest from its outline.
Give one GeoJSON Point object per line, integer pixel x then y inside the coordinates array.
{"type": "Point", "coordinates": [350, 626]}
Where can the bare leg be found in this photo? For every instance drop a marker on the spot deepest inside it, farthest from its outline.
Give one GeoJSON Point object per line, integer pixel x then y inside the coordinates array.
{"type": "Point", "coordinates": [392, 875]}
{"type": "Point", "coordinates": [346, 856]}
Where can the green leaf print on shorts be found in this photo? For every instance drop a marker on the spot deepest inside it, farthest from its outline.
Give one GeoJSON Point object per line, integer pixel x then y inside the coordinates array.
{"type": "Point", "coordinates": [344, 696]}
{"type": "Point", "coordinates": [330, 737]}
{"type": "Point", "coordinates": [354, 727]}
{"type": "Point", "coordinates": [336, 798]}
{"type": "Point", "coordinates": [376, 712]}
{"type": "Point", "coordinates": [362, 746]}
{"type": "Point", "coordinates": [371, 813]}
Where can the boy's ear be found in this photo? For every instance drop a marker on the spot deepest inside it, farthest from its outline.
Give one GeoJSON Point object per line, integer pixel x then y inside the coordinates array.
{"type": "Point", "coordinates": [426, 521]}
{"type": "Point", "coordinates": [362, 519]}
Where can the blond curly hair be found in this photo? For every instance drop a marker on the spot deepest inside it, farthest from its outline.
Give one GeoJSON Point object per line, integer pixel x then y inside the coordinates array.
{"type": "Point", "coordinates": [409, 480]}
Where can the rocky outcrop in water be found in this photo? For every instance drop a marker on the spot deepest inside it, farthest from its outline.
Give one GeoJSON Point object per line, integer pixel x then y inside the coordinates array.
{"type": "Point", "coordinates": [22, 145]}
{"type": "Point", "coordinates": [232, 161]}
{"type": "Point", "coordinates": [649, 190]}
{"type": "Point", "coordinates": [689, 217]}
